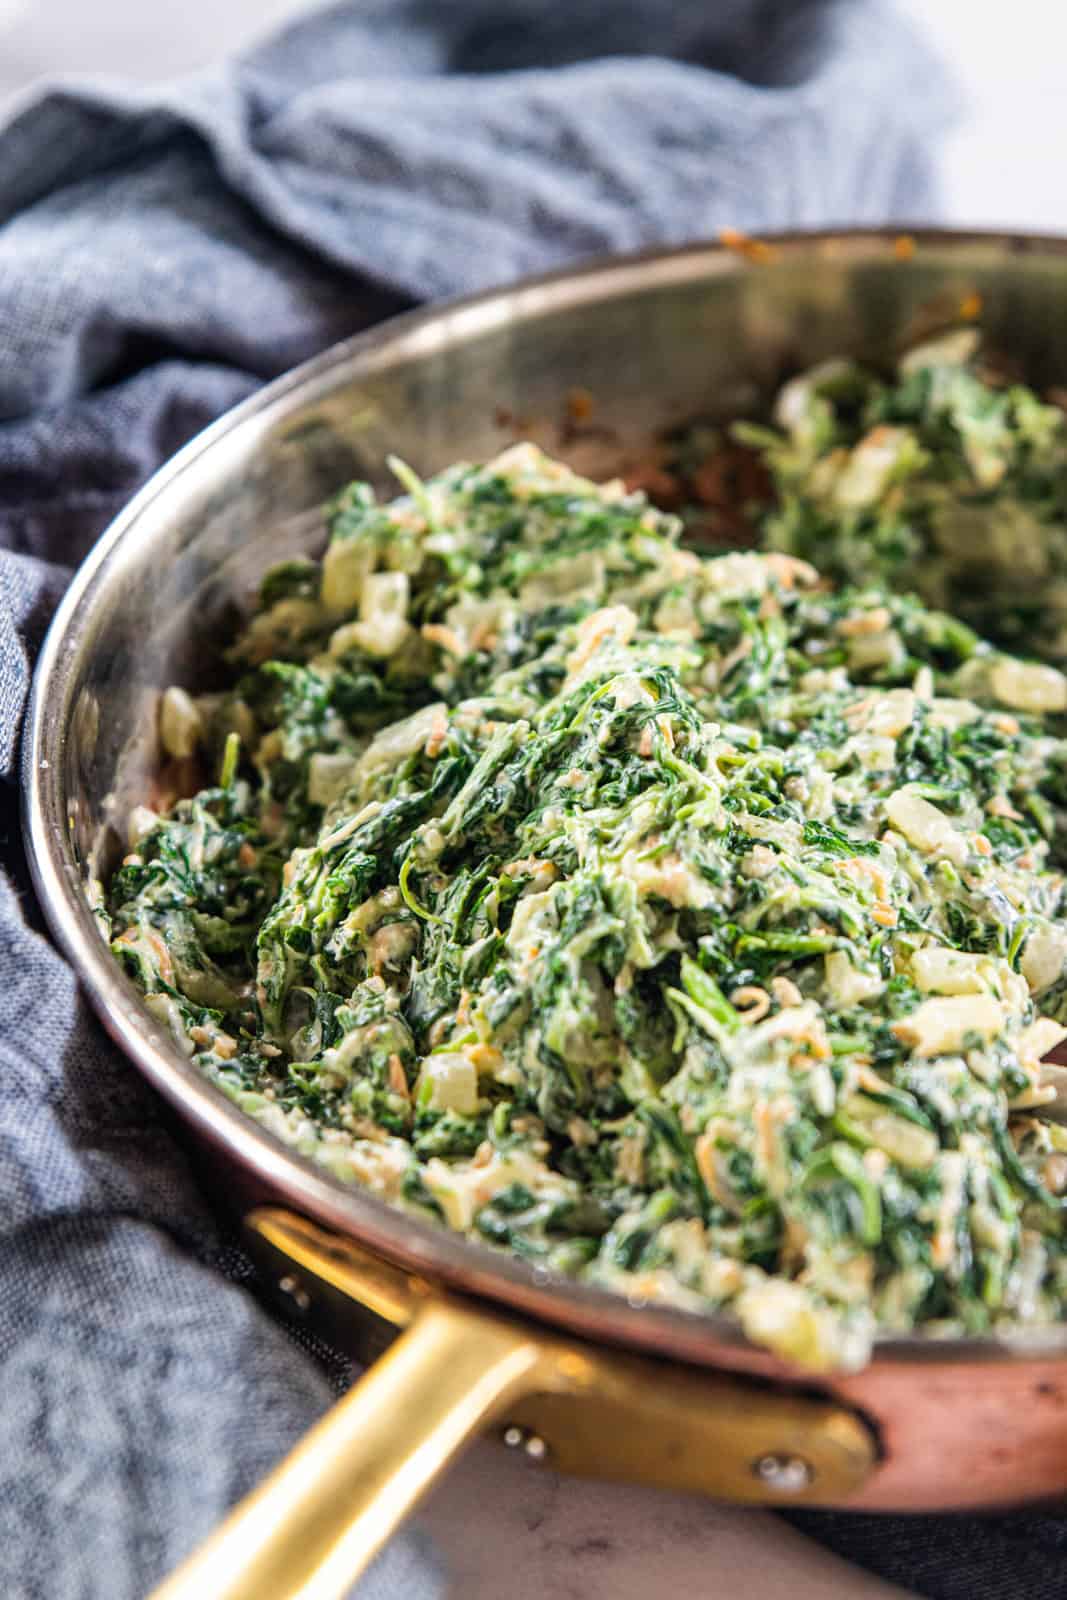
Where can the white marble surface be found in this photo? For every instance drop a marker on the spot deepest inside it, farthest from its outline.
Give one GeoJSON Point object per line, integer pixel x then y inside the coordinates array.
{"type": "Point", "coordinates": [509, 1528]}
{"type": "Point", "coordinates": [1002, 166]}
{"type": "Point", "coordinates": [505, 1526]}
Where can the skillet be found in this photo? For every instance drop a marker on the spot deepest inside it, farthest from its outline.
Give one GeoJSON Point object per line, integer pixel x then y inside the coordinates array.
{"type": "Point", "coordinates": [576, 1375]}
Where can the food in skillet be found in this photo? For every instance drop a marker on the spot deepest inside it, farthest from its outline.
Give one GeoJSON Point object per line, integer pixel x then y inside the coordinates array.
{"type": "Point", "coordinates": [682, 924]}
{"type": "Point", "coordinates": [947, 480]}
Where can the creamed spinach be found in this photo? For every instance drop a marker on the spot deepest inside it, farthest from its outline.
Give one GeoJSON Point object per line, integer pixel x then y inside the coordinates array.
{"type": "Point", "coordinates": [683, 924]}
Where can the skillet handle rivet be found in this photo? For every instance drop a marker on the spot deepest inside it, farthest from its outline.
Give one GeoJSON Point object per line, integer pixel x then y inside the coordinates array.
{"type": "Point", "coordinates": [785, 1474]}
{"type": "Point", "coordinates": [517, 1438]}
{"type": "Point", "coordinates": [295, 1293]}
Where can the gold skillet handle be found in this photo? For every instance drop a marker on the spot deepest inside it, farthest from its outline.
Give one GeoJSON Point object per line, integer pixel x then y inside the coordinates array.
{"type": "Point", "coordinates": [318, 1521]}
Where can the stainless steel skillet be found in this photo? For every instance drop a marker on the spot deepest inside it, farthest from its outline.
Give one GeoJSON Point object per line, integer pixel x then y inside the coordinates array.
{"type": "Point", "coordinates": [605, 1386]}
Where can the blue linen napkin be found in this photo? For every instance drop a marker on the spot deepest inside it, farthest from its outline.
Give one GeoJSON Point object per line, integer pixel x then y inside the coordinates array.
{"type": "Point", "coordinates": [162, 252]}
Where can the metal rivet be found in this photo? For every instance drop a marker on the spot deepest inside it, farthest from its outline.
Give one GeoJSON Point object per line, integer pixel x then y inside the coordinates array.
{"type": "Point", "coordinates": [517, 1438]}
{"type": "Point", "coordinates": [295, 1293]}
{"type": "Point", "coordinates": [784, 1474]}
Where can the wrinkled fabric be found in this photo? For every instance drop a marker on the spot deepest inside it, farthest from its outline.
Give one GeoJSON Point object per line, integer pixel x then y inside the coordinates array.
{"type": "Point", "coordinates": [162, 252]}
